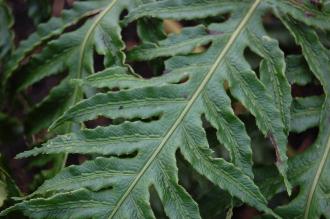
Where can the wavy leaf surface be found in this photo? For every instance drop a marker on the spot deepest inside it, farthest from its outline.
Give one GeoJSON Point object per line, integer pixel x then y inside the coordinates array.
{"type": "Point", "coordinates": [72, 53]}
{"type": "Point", "coordinates": [314, 190]}
{"type": "Point", "coordinates": [309, 171]}
{"type": "Point", "coordinates": [151, 120]}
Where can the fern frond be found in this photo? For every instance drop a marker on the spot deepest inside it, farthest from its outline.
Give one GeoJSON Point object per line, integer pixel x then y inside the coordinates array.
{"type": "Point", "coordinates": [305, 113]}
{"type": "Point", "coordinates": [72, 53]}
{"type": "Point", "coordinates": [153, 119]}
{"type": "Point", "coordinates": [312, 13]}
{"type": "Point", "coordinates": [314, 181]}
{"type": "Point", "coordinates": [253, 36]}
{"type": "Point", "coordinates": [309, 171]}
{"type": "Point", "coordinates": [53, 28]}
{"type": "Point", "coordinates": [6, 23]}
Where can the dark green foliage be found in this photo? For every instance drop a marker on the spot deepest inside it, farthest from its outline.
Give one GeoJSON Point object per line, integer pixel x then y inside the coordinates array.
{"type": "Point", "coordinates": [154, 120]}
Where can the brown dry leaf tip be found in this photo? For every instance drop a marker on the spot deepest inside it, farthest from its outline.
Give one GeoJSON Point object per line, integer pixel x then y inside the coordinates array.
{"type": "Point", "coordinates": [274, 143]}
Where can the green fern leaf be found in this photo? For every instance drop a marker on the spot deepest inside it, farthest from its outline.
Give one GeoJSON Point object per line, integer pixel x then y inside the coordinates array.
{"type": "Point", "coordinates": [6, 22]}
{"type": "Point", "coordinates": [154, 119]}
{"type": "Point", "coordinates": [297, 70]}
{"type": "Point", "coordinates": [309, 170]}
{"type": "Point", "coordinates": [254, 36]}
{"type": "Point", "coordinates": [314, 180]}
{"type": "Point", "coordinates": [305, 113]}
{"type": "Point", "coordinates": [312, 13]}
{"type": "Point", "coordinates": [179, 108]}
{"type": "Point", "coordinates": [71, 52]}
{"type": "Point", "coordinates": [53, 28]}
{"type": "Point", "coordinates": [39, 10]}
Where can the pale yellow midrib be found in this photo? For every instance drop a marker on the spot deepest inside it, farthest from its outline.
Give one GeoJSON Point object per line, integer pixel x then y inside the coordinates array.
{"type": "Point", "coordinates": [86, 40]}
{"type": "Point", "coordinates": [316, 179]}
{"type": "Point", "coordinates": [189, 104]}
{"type": "Point", "coordinates": [89, 34]}
{"type": "Point", "coordinates": [80, 62]}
